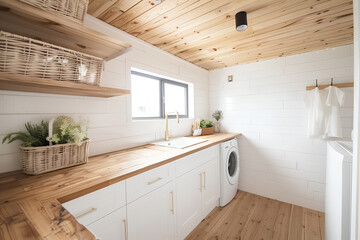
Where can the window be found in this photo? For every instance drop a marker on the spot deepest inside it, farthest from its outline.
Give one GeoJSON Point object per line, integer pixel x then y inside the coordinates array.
{"type": "Point", "coordinates": [153, 97]}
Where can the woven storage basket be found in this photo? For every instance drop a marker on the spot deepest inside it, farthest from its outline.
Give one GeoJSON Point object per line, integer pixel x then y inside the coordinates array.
{"type": "Point", "coordinates": [30, 57]}
{"type": "Point", "coordinates": [207, 131]}
{"type": "Point", "coordinates": [74, 9]}
{"type": "Point", "coordinates": [37, 160]}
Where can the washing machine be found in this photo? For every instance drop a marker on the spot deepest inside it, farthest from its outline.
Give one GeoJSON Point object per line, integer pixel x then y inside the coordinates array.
{"type": "Point", "coordinates": [229, 170]}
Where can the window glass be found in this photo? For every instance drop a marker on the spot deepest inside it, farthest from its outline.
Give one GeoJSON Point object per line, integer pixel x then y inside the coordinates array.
{"type": "Point", "coordinates": [175, 98]}
{"type": "Point", "coordinates": [145, 94]}
{"type": "Point", "coordinates": [153, 96]}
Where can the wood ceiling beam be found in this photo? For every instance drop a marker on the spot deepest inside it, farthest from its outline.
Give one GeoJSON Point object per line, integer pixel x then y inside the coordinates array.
{"type": "Point", "coordinates": [282, 51]}
{"type": "Point", "coordinates": [118, 9]}
{"type": "Point", "coordinates": [203, 31]}
{"type": "Point", "coordinates": [314, 30]}
{"type": "Point", "coordinates": [282, 47]}
{"type": "Point", "coordinates": [226, 22]}
{"type": "Point", "coordinates": [217, 37]}
{"type": "Point", "coordinates": [158, 10]}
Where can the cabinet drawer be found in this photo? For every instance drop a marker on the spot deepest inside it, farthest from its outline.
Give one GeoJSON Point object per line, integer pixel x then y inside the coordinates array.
{"type": "Point", "coordinates": [112, 226]}
{"type": "Point", "coordinates": [146, 182]}
{"type": "Point", "coordinates": [190, 162]}
{"type": "Point", "coordinates": [93, 206]}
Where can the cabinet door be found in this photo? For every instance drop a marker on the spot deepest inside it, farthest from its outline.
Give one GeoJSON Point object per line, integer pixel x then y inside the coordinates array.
{"type": "Point", "coordinates": [211, 187]}
{"type": "Point", "coordinates": [152, 216]}
{"type": "Point", "coordinates": [188, 202]}
{"type": "Point", "coordinates": [110, 227]}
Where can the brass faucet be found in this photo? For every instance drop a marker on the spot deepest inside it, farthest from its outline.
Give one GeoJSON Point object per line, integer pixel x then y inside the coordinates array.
{"type": "Point", "coordinates": [167, 132]}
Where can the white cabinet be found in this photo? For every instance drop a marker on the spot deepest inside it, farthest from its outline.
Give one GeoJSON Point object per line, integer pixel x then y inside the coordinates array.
{"type": "Point", "coordinates": [197, 194]}
{"type": "Point", "coordinates": [93, 206]}
{"type": "Point", "coordinates": [148, 181]}
{"type": "Point", "coordinates": [111, 227]}
{"type": "Point", "coordinates": [153, 215]}
{"type": "Point", "coordinates": [211, 190]}
{"type": "Point", "coordinates": [188, 190]}
{"type": "Point", "coordinates": [167, 202]}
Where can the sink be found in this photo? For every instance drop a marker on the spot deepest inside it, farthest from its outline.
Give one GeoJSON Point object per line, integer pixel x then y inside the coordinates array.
{"type": "Point", "coordinates": [181, 142]}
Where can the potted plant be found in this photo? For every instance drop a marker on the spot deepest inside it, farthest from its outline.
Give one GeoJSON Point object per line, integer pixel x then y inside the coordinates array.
{"type": "Point", "coordinates": [53, 145]}
{"type": "Point", "coordinates": [207, 127]}
{"type": "Point", "coordinates": [218, 115]}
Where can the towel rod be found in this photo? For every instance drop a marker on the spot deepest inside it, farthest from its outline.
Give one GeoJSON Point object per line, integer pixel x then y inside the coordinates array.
{"type": "Point", "coordinates": [339, 85]}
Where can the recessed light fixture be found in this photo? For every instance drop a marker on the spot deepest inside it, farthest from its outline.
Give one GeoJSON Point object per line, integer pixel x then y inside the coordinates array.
{"type": "Point", "coordinates": [241, 21]}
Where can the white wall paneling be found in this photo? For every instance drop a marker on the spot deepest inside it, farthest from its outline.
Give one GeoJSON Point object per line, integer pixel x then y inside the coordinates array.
{"type": "Point", "coordinates": [264, 102]}
{"type": "Point", "coordinates": [111, 127]}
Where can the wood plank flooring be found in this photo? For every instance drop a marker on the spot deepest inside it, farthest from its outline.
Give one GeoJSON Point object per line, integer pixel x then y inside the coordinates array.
{"type": "Point", "coordinates": [250, 216]}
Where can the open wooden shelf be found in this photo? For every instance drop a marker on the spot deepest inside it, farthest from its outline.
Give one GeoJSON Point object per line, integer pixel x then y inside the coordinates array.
{"type": "Point", "coordinates": [23, 19]}
{"type": "Point", "coordinates": [17, 82]}
{"type": "Point", "coordinates": [339, 85]}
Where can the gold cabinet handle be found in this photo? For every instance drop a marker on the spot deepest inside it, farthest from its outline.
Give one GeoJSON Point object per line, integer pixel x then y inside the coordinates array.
{"type": "Point", "coordinates": [201, 183]}
{"type": "Point", "coordinates": [86, 213]}
{"type": "Point", "coordinates": [125, 230]}
{"type": "Point", "coordinates": [154, 181]}
{"type": "Point", "coordinates": [172, 202]}
{"type": "Point", "coordinates": [204, 180]}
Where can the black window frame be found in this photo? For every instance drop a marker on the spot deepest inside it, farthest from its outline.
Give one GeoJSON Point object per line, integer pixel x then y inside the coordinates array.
{"type": "Point", "coordinates": [162, 82]}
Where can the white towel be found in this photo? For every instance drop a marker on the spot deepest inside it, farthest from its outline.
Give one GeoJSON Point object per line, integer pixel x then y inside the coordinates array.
{"type": "Point", "coordinates": [315, 101]}
{"type": "Point", "coordinates": [335, 99]}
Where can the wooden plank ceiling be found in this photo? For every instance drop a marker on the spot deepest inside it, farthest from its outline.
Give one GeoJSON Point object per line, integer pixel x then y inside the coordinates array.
{"type": "Point", "coordinates": [203, 31]}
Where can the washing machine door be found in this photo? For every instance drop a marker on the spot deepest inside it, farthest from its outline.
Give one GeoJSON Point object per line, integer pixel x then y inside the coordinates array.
{"type": "Point", "coordinates": [232, 170]}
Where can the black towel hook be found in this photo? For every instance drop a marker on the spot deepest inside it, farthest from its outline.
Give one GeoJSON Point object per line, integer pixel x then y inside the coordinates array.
{"type": "Point", "coordinates": [332, 79]}
{"type": "Point", "coordinates": [316, 83]}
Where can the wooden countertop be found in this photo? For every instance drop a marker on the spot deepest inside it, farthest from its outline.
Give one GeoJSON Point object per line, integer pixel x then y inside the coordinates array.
{"type": "Point", "coordinates": [30, 206]}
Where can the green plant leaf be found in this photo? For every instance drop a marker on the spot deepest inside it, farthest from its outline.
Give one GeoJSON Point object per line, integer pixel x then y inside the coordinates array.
{"type": "Point", "coordinates": [66, 130]}
{"type": "Point", "coordinates": [35, 136]}
{"type": "Point", "coordinates": [206, 123]}
{"type": "Point", "coordinates": [217, 115]}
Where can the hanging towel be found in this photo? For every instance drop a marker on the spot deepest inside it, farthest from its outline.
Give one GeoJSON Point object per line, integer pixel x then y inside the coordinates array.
{"type": "Point", "coordinates": [314, 101]}
{"type": "Point", "coordinates": [334, 99]}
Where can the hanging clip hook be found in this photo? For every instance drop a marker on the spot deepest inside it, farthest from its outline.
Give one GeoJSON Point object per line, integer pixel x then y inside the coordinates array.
{"type": "Point", "coordinates": [332, 79]}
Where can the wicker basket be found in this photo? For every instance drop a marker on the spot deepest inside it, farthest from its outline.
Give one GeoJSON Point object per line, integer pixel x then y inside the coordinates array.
{"type": "Point", "coordinates": [37, 160]}
{"type": "Point", "coordinates": [26, 56]}
{"type": "Point", "coordinates": [74, 9]}
{"type": "Point", "coordinates": [207, 131]}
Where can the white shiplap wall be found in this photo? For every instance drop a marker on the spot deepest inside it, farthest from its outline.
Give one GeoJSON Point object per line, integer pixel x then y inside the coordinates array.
{"type": "Point", "coordinates": [264, 102]}
{"type": "Point", "coordinates": [111, 127]}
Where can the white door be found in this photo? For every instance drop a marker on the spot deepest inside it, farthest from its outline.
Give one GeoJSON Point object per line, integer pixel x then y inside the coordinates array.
{"type": "Point", "coordinates": [110, 227]}
{"type": "Point", "coordinates": [211, 186]}
{"type": "Point", "coordinates": [152, 216]}
{"type": "Point", "coordinates": [188, 190]}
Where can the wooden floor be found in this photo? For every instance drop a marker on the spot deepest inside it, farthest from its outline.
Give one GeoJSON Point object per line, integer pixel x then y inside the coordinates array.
{"type": "Point", "coordinates": [251, 216]}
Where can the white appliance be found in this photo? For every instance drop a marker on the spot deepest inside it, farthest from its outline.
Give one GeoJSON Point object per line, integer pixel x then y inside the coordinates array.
{"type": "Point", "coordinates": [338, 190]}
{"type": "Point", "coordinates": [229, 171]}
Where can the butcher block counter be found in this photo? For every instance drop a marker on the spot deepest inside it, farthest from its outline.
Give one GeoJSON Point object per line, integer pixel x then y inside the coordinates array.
{"type": "Point", "coordinates": [30, 206]}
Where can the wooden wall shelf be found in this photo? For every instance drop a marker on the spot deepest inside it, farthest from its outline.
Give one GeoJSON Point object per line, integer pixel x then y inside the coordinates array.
{"type": "Point", "coordinates": [23, 19]}
{"type": "Point", "coordinates": [17, 82]}
{"type": "Point", "coordinates": [339, 85]}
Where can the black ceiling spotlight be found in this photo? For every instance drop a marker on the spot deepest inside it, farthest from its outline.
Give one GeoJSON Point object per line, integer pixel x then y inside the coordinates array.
{"type": "Point", "coordinates": [241, 21]}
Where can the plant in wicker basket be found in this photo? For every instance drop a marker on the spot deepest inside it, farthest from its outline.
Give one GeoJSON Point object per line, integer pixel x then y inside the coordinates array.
{"type": "Point", "coordinates": [207, 127]}
{"type": "Point", "coordinates": [206, 123]}
{"type": "Point", "coordinates": [34, 137]}
{"type": "Point", "coordinates": [38, 156]}
{"type": "Point", "coordinates": [66, 130]}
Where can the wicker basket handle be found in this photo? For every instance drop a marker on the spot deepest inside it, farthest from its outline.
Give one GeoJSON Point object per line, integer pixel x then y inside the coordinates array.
{"type": "Point", "coordinates": [49, 138]}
